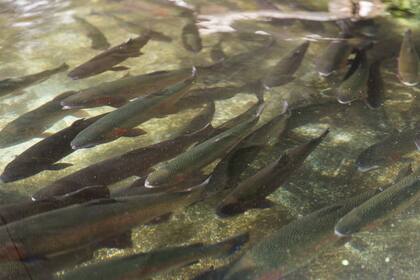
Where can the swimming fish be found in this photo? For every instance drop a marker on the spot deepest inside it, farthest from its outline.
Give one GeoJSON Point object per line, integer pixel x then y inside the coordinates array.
{"type": "Point", "coordinates": [252, 192]}
{"type": "Point", "coordinates": [408, 61]}
{"type": "Point", "coordinates": [191, 38]}
{"type": "Point", "coordinates": [392, 149]}
{"type": "Point", "coordinates": [201, 120]}
{"type": "Point", "coordinates": [121, 91]}
{"type": "Point", "coordinates": [146, 265]}
{"type": "Point", "coordinates": [12, 85]}
{"type": "Point", "coordinates": [392, 200]}
{"type": "Point", "coordinates": [20, 210]}
{"type": "Point", "coordinates": [375, 86]}
{"type": "Point", "coordinates": [284, 70]}
{"type": "Point", "coordinates": [134, 163]}
{"type": "Point", "coordinates": [45, 154]}
{"type": "Point", "coordinates": [107, 60]}
{"type": "Point", "coordinates": [99, 41]}
{"type": "Point", "coordinates": [178, 168]}
{"type": "Point", "coordinates": [68, 229]}
{"type": "Point", "coordinates": [33, 124]}
{"type": "Point", "coordinates": [294, 245]}
{"type": "Point", "coordinates": [351, 89]}
{"type": "Point", "coordinates": [334, 57]}
{"type": "Point", "coordinates": [122, 121]}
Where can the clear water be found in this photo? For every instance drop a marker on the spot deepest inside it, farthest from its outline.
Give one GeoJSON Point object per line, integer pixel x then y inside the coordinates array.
{"type": "Point", "coordinates": [40, 35]}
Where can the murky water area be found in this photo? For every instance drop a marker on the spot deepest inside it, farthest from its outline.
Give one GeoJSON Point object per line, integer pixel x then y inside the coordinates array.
{"type": "Point", "coordinates": [228, 139]}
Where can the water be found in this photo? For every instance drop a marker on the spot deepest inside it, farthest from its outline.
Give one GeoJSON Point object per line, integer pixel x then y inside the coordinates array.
{"type": "Point", "coordinates": [40, 35]}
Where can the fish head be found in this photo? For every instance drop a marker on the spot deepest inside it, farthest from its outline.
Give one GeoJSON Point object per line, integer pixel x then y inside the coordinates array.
{"type": "Point", "coordinates": [370, 159]}
{"type": "Point", "coordinates": [159, 178]}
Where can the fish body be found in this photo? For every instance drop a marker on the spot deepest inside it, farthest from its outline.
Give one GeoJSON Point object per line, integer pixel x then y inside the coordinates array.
{"type": "Point", "coordinates": [293, 245]}
{"type": "Point", "coordinates": [121, 91]}
{"type": "Point", "coordinates": [34, 123]}
{"type": "Point", "coordinates": [68, 229]}
{"type": "Point", "coordinates": [17, 211]}
{"type": "Point", "coordinates": [392, 200]}
{"type": "Point", "coordinates": [99, 41]}
{"type": "Point", "coordinates": [146, 265]}
{"type": "Point", "coordinates": [283, 71]}
{"type": "Point", "coordinates": [12, 85]}
{"type": "Point", "coordinates": [134, 163]}
{"type": "Point", "coordinates": [45, 154]}
{"type": "Point", "coordinates": [191, 38]}
{"type": "Point", "coordinates": [408, 61]}
{"type": "Point", "coordinates": [351, 89]}
{"type": "Point", "coordinates": [122, 121]}
{"type": "Point", "coordinates": [106, 60]}
{"type": "Point", "coordinates": [334, 57]}
{"type": "Point", "coordinates": [178, 168]}
{"type": "Point", "coordinates": [252, 192]}
{"type": "Point", "coordinates": [392, 149]}
{"type": "Point", "coordinates": [375, 86]}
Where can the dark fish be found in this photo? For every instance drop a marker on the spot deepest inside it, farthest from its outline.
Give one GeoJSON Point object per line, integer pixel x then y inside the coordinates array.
{"type": "Point", "coordinates": [121, 91]}
{"type": "Point", "coordinates": [191, 38]}
{"type": "Point", "coordinates": [33, 124]}
{"type": "Point", "coordinates": [45, 154]}
{"type": "Point", "coordinates": [99, 41]}
{"type": "Point", "coordinates": [252, 192]}
{"type": "Point", "coordinates": [388, 151]}
{"type": "Point", "coordinates": [294, 245]}
{"type": "Point", "coordinates": [334, 57]}
{"type": "Point", "coordinates": [217, 54]}
{"type": "Point", "coordinates": [122, 122]}
{"type": "Point", "coordinates": [389, 202]}
{"type": "Point", "coordinates": [17, 211]}
{"type": "Point", "coordinates": [134, 163]}
{"type": "Point", "coordinates": [73, 227]}
{"type": "Point", "coordinates": [408, 61]}
{"type": "Point", "coordinates": [146, 265]}
{"type": "Point", "coordinates": [12, 85]}
{"type": "Point", "coordinates": [284, 70]}
{"type": "Point", "coordinates": [106, 60]}
{"type": "Point", "coordinates": [178, 168]}
{"type": "Point", "coordinates": [201, 121]}
{"type": "Point", "coordinates": [375, 86]}
{"type": "Point", "coordinates": [351, 89]}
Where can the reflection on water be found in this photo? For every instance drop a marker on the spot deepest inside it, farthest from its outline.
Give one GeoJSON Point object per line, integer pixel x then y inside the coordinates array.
{"type": "Point", "coordinates": [209, 139]}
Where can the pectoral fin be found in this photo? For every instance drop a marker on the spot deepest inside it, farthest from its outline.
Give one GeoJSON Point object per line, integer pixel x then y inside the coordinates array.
{"type": "Point", "coordinates": [119, 68]}
{"type": "Point", "coordinates": [134, 132]}
{"type": "Point", "coordinates": [59, 166]}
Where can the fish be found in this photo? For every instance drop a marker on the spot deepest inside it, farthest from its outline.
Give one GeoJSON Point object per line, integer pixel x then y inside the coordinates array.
{"type": "Point", "coordinates": [191, 39]}
{"type": "Point", "coordinates": [99, 41]}
{"type": "Point", "coordinates": [375, 86]}
{"type": "Point", "coordinates": [392, 200]}
{"type": "Point", "coordinates": [201, 120]}
{"type": "Point", "coordinates": [177, 169]}
{"type": "Point", "coordinates": [71, 228]}
{"type": "Point", "coordinates": [227, 172]}
{"type": "Point", "coordinates": [216, 53]}
{"type": "Point", "coordinates": [45, 154]}
{"type": "Point", "coordinates": [33, 124]}
{"type": "Point", "coordinates": [283, 71]}
{"type": "Point", "coordinates": [390, 150]}
{"type": "Point", "coordinates": [133, 163]}
{"type": "Point", "coordinates": [408, 61]}
{"type": "Point", "coordinates": [122, 121]}
{"type": "Point", "coordinates": [20, 210]}
{"type": "Point", "coordinates": [146, 265]}
{"type": "Point", "coordinates": [12, 85]}
{"type": "Point", "coordinates": [107, 60]}
{"type": "Point", "coordinates": [252, 192]}
{"type": "Point", "coordinates": [334, 57]}
{"type": "Point", "coordinates": [351, 89]}
{"type": "Point", "coordinates": [292, 246]}
{"type": "Point", "coordinates": [119, 92]}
